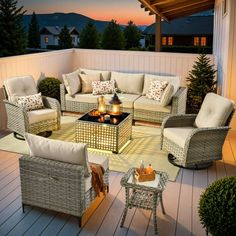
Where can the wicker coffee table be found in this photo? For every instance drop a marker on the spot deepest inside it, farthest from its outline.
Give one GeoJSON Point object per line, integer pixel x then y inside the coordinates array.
{"type": "Point", "coordinates": [145, 195]}
{"type": "Point", "coordinates": [105, 133]}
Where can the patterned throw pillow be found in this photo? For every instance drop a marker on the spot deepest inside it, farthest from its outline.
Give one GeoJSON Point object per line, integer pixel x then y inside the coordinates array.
{"type": "Point", "coordinates": [30, 102]}
{"type": "Point", "coordinates": [103, 87]}
{"type": "Point", "coordinates": [156, 90]}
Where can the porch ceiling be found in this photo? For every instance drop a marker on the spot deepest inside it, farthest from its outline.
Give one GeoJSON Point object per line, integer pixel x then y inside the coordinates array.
{"type": "Point", "coordinates": [172, 9]}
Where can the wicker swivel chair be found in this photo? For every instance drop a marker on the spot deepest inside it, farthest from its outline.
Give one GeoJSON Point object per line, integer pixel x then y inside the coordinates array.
{"type": "Point", "coordinates": [194, 141]}
{"type": "Point", "coordinates": [36, 121]}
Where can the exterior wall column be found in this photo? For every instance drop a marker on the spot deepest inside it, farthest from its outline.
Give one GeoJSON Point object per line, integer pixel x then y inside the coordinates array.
{"type": "Point", "coordinates": [158, 34]}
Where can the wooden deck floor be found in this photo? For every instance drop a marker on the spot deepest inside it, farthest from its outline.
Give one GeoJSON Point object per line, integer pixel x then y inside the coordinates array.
{"type": "Point", "coordinates": [180, 200]}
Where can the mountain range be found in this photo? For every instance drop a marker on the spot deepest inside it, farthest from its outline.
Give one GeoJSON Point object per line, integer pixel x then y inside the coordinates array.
{"type": "Point", "coordinates": [68, 19]}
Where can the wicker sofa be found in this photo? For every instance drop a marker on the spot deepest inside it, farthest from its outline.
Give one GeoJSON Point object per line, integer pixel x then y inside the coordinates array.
{"type": "Point", "coordinates": [132, 90]}
{"type": "Point", "coordinates": [56, 176]}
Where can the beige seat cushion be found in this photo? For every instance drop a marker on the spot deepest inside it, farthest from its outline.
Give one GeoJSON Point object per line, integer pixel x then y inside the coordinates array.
{"type": "Point", "coordinates": [41, 115]}
{"type": "Point", "coordinates": [105, 75]}
{"type": "Point", "coordinates": [87, 81]}
{"type": "Point", "coordinates": [128, 83]}
{"type": "Point", "coordinates": [126, 99]}
{"type": "Point", "coordinates": [20, 86]}
{"type": "Point", "coordinates": [144, 103]}
{"type": "Point", "coordinates": [174, 80]}
{"type": "Point", "coordinates": [178, 135]}
{"type": "Point", "coordinates": [214, 111]}
{"type": "Point", "coordinates": [72, 82]}
{"type": "Point", "coordinates": [75, 153]}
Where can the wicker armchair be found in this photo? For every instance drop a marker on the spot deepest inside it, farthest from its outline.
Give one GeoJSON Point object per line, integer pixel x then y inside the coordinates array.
{"type": "Point", "coordinates": [19, 119]}
{"type": "Point", "coordinates": [56, 176]}
{"type": "Point", "coordinates": [194, 141]}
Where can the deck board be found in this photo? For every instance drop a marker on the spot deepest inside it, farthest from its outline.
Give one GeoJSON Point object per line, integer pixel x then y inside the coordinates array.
{"type": "Point", "coordinates": [180, 200]}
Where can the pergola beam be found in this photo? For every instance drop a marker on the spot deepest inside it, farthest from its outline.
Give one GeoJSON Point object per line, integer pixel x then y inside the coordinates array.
{"type": "Point", "coordinates": [185, 5]}
{"type": "Point", "coordinates": [152, 9]}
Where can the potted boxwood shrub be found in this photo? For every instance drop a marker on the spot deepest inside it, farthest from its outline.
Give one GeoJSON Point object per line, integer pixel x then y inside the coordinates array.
{"type": "Point", "coordinates": [50, 87]}
{"type": "Point", "coordinates": [217, 207]}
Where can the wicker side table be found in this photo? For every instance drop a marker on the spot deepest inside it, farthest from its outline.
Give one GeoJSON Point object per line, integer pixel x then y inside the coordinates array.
{"type": "Point", "coordinates": [145, 195]}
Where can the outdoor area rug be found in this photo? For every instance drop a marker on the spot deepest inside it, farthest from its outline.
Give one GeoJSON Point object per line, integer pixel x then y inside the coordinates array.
{"type": "Point", "coordinates": [145, 145]}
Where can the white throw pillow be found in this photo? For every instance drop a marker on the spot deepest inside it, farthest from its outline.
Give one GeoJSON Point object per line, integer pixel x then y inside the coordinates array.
{"type": "Point", "coordinates": [103, 87]}
{"type": "Point", "coordinates": [167, 95]}
{"type": "Point", "coordinates": [72, 82]}
{"type": "Point", "coordinates": [30, 102]}
{"type": "Point", "coordinates": [127, 82]}
{"type": "Point", "coordinates": [105, 75]}
{"type": "Point", "coordinates": [156, 90]}
{"type": "Point", "coordinates": [75, 153]}
{"type": "Point", "coordinates": [87, 81]}
{"type": "Point", "coordinates": [148, 78]}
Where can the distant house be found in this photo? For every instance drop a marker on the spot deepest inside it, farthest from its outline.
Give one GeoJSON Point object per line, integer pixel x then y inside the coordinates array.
{"type": "Point", "coordinates": [49, 36]}
{"type": "Point", "coordinates": [186, 31]}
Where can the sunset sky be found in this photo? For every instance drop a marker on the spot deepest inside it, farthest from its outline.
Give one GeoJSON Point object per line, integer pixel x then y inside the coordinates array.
{"type": "Point", "coordinates": [120, 10]}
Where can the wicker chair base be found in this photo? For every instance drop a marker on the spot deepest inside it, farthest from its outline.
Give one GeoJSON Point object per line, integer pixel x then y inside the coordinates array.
{"type": "Point", "coordinates": [174, 161]}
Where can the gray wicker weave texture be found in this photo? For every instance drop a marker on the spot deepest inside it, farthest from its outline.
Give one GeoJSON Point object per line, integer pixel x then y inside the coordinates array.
{"type": "Point", "coordinates": [143, 196]}
{"type": "Point", "coordinates": [55, 185]}
{"type": "Point", "coordinates": [104, 136]}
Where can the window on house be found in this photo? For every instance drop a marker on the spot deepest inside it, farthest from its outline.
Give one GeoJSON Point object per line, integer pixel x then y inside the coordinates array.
{"type": "Point", "coordinates": [46, 39]}
{"type": "Point", "coordinates": [203, 41]}
{"type": "Point", "coordinates": [170, 40]}
{"type": "Point", "coordinates": [163, 41]}
{"type": "Point", "coordinates": [196, 41]}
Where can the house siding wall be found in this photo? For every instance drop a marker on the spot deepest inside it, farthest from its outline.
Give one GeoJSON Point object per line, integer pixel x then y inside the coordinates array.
{"type": "Point", "coordinates": [51, 40]}
{"type": "Point", "coordinates": [129, 61]}
{"type": "Point", "coordinates": [224, 48]}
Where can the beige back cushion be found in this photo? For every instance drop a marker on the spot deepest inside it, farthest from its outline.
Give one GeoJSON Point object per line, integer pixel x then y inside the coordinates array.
{"type": "Point", "coordinates": [105, 75]}
{"type": "Point", "coordinates": [20, 86]}
{"type": "Point", "coordinates": [72, 82]}
{"type": "Point", "coordinates": [75, 153]}
{"type": "Point", "coordinates": [128, 83]}
{"type": "Point", "coordinates": [87, 81]}
{"type": "Point", "coordinates": [167, 95]}
{"type": "Point", "coordinates": [214, 111]}
{"type": "Point", "coordinates": [174, 80]}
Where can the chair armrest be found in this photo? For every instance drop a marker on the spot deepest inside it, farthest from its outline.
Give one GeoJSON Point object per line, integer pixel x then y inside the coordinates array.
{"type": "Point", "coordinates": [178, 120]}
{"type": "Point", "coordinates": [206, 138]}
{"type": "Point", "coordinates": [16, 114]}
{"type": "Point", "coordinates": [52, 103]}
{"type": "Point", "coordinates": [179, 101]}
{"type": "Point", "coordinates": [62, 96]}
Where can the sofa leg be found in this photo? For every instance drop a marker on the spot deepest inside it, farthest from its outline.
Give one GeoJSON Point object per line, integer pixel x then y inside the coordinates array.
{"type": "Point", "coordinates": [45, 134]}
{"type": "Point", "coordinates": [23, 207]}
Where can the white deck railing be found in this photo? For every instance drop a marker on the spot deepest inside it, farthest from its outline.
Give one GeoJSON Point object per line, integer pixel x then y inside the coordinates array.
{"type": "Point", "coordinates": [58, 62]}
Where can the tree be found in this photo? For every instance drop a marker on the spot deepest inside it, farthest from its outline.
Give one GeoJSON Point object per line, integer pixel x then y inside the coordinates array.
{"type": "Point", "coordinates": [89, 37]}
{"type": "Point", "coordinates": [113, 37]}
{"type": "Point", "coordinates": [132, 36]}
{"type": "Point", "coordinates": [13, 37]}
{"type": "Point", "coordinates": [33, 33]}
{"type": "Point", "coordinates": [201, 80]}
{"type": "Point", "coordinates": [65, 40]}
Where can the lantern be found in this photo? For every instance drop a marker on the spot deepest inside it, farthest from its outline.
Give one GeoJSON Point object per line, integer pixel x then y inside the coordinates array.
{"type": "Point", "coordinates": [115, 105]}
{"type": "Point", "coordinates": [101, 105]}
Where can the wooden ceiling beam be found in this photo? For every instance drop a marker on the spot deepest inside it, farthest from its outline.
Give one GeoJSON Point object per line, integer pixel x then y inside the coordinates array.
{"type": "Point", "coordinates": [158, 2]}
{"type": "Point", "coordinates": [152, 9]}
{"type": "Point", "coordinates": [185, 5]}
{"type": "Point", "coordinates": [179, 14]}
